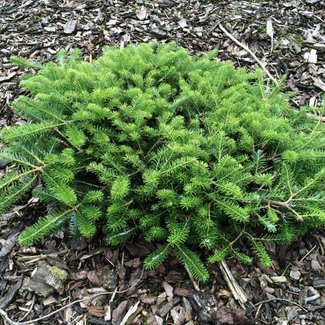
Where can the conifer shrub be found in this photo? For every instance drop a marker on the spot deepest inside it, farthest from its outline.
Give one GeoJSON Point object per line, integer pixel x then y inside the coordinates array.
{"type": "Point", "coordinates": [186, 151]}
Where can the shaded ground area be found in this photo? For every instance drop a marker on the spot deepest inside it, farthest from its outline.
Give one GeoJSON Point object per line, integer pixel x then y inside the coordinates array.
{"type": "Point", "coordinates": [289, 38]}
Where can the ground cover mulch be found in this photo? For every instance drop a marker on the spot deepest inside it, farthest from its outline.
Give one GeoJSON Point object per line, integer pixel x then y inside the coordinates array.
{"type": "Point", "coordinates": [61, 274]}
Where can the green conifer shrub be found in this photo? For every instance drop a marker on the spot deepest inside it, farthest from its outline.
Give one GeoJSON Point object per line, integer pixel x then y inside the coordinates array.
{"type": "Point", "coordinates": [185, 151]}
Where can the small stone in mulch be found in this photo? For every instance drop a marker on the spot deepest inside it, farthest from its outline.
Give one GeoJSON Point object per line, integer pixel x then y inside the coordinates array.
{"type": "Point", "coordinates": [182, 23]}
{"type": "Point", "coordinates": [142, 14]}
{"type": "Point", "coordinates": [269, 290]}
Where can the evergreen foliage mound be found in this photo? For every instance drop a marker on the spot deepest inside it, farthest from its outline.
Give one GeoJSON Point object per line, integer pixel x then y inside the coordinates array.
{"type": "Point", "coordinates": [184, 151]}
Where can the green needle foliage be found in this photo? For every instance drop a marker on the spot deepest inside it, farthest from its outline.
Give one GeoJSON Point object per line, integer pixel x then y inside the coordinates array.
{"type": "Point", "coordinates": [185, 151]}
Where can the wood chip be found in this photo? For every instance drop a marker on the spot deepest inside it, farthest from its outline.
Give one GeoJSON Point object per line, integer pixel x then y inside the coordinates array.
{"type": "Point", "coordinates": [311, 57]}
{"type": "Point", "coordinates": [8, 245]}
{"type": "Point", "coordinates": [8, 77]}
{"type": "Point", "coordinates": [169, 289]}
{"type": "Point", "coordinates": [269, 31]}
{"type": "Point", "coordinates": [70, 26]}
{"type": "Point", "coordinates": [279, 279]}
{"type": "Point", "coordinates": [182, 23]}
{"type": "Point", "coordinates": [142, 14]}
{"type": "Point", "coordinates": [319, 83]}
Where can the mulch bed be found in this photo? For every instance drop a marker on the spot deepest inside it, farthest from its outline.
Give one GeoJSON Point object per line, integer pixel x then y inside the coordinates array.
{"type": "Point", "coordinates": [288, 37]}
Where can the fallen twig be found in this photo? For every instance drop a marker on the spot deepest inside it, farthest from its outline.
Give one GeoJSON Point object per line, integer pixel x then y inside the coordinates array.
{"type": "Point", "coordinates": [246, 48]}
{"type": "Point", "coordinates": [259, 304]}
{"type": "Point", "coordinates": [195, 285]}
{"type": "Point", "coordinates": [308, 253]}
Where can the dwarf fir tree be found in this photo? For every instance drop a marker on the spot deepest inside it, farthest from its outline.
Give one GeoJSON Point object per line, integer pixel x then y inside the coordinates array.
{"type": "Point", "coordinates": [186, 151]}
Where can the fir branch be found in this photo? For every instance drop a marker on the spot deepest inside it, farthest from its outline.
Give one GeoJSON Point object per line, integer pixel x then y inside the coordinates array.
{"type": "Point", "coordinates": [27, 131]}
{"type": "Point", "coordinates": [45, 226]}
{"type": "Point", "coordinates": [233, 210]}
{"type": "Point", "coordinates": [262, 253]}
{"type": "Point", "coordinates": [157, 257]}
{"type": "Point", "coordinates": [16, 157]}
{"type": "Point", "coordinates": [178, 164]}
{"type": "Point", "coordinates": [120, 237]}
{"type": "Point", "coordinates": [13, 177]}
{"type": "Point", "coordinates": [192, 262]}
{"type": "Point", "coordinates": [24, 63]}
{"type": "Point", "coordinates": [15, 194]}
